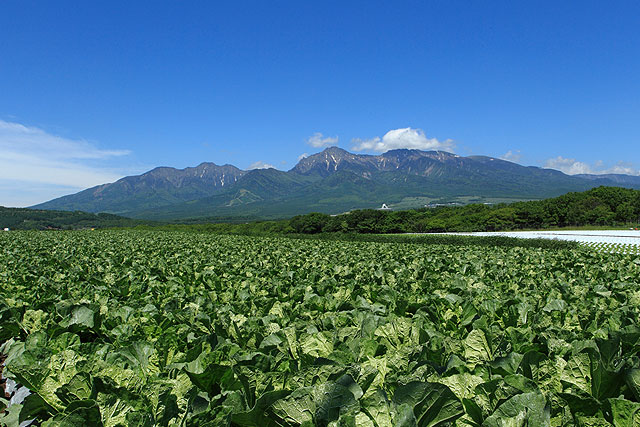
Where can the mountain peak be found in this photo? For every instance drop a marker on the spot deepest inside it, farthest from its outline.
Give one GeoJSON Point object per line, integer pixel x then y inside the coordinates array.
{"type": "Point", "coordinates": [330, 160]}
{"type": "Point", "coordinates": [402, 151]}
{"type": "Point", "coordinates": [335, 149]}
{"type": "Point", "coordinates": [333, 180]}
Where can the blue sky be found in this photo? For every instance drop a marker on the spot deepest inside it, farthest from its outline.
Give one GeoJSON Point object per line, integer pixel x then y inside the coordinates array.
{"type": "Point", "coordinates": [93, 91]}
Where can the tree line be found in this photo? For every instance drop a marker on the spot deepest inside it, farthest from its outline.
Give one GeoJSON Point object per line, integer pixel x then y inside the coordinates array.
{"type": "Point", "coordinates": [602, 206]}
{"type": "Point", "coordinates": [38, 219]}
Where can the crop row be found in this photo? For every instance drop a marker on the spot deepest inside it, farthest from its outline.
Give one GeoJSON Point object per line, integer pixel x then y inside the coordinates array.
{"type": "Point", "coordinates": [621, 248]}
{"type": "Point", "coordinates": [164, 328]}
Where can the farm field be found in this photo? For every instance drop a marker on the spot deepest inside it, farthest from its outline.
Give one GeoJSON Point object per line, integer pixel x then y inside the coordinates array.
{"type": "Point", "coordinates": [623, 241]}
{"type": "Point", "coordinates": [142, 328]}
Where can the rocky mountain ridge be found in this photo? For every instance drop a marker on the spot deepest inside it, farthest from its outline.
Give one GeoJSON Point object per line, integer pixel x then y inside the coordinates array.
{"type": "Point", "coordinates": [332, 181]}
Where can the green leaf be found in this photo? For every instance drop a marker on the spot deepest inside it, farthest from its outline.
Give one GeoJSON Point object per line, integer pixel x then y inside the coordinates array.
{"type": "Point", "coordinates": [472, 409]}
{"type": "Point", "coordinates": [257, 416]}
{"type": "Point", "coordinates": [378, 408]}
{"type": "Point", "coordinates": [531, 364]}
{"type": "Point", "coordinates": [632, 379]}
{"type": "Point", "coordinates": [476, 347]}
{"type": "Point", "coordinates": [316, 345]}
{"type": "Point", "coordinates": [136, 356]}
{"type": "Point", "coordinates": [605, 383]}
{"type": "Point", "coordinates": [555, 305]}
{"type": "Point", "coordinates": [297, 409]}
{"type": "Point", "coordinates": [581, 403]}
{"type": "Point", "coordinates": [527, 409]}
{"type": "Point", "coordinates": [115, 403]}
{"type": "Point", "coordinates": [333, 400]}
{"type": "Point", "coordinates": [34, 407]}
{"type": "Point", "coordinates": [213, 379]}
{"type": "Point", "coordinates": [625, 413]}
{"type": "Point", "coordinates": [81, 316]}
{"type": "Point", "coordinates": [507, 365]}
{"type": "Point", "coordinates": [79, 414]}
{"type": "Point", "coordinates": [468, 315]}
{"type": "Point", "coordinates": [577, 373]}
{"type": "Point", "coordinates": [167, 409]}
{"type": "Point", "coordinates": [79, 388]}
{"type": "Point", "coordinates": [431, 404]}
{"type": "Point", "coordinates": [520, 383]}
{"type": "Point", "coordinates": [462, 385]}
{"type": "Point", "coordinates": [11, 417]}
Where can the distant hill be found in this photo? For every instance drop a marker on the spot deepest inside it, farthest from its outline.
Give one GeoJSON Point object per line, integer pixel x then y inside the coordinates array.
{"type": "Point", "coordinates": [162, 186]}
{"type": "Point", "coordinates": [39, 219]}
{"type": "Point", "coordinates": [597, 207]}
{"type": "Point", "coordinates": [331, 181]}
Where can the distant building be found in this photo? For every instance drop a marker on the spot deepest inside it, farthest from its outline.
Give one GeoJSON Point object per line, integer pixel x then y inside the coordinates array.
{"type": "Point", "coordinates": [384, 207]}
{"type": "Point", "coordinates": [440, 205]}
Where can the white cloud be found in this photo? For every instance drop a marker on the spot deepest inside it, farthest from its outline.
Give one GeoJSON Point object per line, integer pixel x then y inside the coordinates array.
{"type": "Point", "coordinates": [623, 168]}
{"type": "Point", "coordinates": [402, 138]}
{"type": "Point", "coordinates": [33, 158]}
{"type": "Point", "coordinates": [512, 156]}
{"type": "Point", "coordinates": [318, 140]}
{"type": "Point", "coordinates": [17, 137]}
{"type": "Point", "coordinates": [260, 165]}
{"type": "Point", "coordinates": [574, 167]}
{"type": "Point", "coordinates": [568, 166]}
{"type": "Point", "coordinates": [303, 156]}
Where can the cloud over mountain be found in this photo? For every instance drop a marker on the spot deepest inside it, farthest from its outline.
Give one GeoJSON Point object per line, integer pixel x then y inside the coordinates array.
{"type": "Point", "coordinates": [575, 167]}
{"type": "Point", "coordinates": [318, 140]}
{"type": "Point", "coordinates": [402, 138]}
{"type": "Point", "coordinates": [260, 165]}
{"type": "Point", "coordinates": [512, 156]}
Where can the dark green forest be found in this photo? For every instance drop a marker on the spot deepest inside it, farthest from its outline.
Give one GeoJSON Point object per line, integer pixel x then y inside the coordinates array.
{"type": "Point", "coordinates": [602, 206]}
{"type": "Point", "coordinates": [37, 219]}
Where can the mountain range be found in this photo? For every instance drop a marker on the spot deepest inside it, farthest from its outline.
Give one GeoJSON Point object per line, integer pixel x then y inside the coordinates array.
{"type": "Point", "coordinates": [332, 181]}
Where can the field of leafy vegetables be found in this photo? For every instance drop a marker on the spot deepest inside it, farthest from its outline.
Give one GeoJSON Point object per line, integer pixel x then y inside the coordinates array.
{"type": "Point", "coordinates": [139, 328]}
